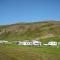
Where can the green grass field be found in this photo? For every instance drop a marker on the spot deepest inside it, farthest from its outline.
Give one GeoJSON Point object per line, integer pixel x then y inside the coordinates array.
{"type": "Point", "coordinates": [15, 52]}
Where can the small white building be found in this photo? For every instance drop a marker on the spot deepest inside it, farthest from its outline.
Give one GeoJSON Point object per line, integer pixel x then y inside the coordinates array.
{"type": "Point", "coordinates": [28, 43]}
{"type": "Point", "coordinates": [24, 43]}
{"type": "Point", "coordinates": [52, 43]}
{"type": "Point", "coordinates": [35, 42]}
{"type": "Point", "coordinates": [58, 43]}
{"type": "Point", "coordinates": [3, 41]}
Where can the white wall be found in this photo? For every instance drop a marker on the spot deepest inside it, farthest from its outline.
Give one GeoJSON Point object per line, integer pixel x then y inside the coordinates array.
{"type": "Point", "coordinates": [52, 43]}
{"type": "Point", "coordinates": [36, 42]}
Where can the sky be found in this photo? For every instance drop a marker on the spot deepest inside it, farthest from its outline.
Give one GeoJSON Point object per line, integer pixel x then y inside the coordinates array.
{"type": "Point", "coordinates": [15, 11]}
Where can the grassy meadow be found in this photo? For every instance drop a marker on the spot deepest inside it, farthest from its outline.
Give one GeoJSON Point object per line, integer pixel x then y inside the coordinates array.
{"type": "Point", "coordinates": [15, 52]}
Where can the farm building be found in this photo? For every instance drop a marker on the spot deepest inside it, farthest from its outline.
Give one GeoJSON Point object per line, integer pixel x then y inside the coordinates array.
{"type": "Point", "coordinates": [35, 42]}
{"type": "Point", "coordinates": [24, 43]}
{"type": "Point", "coordinates": [58, 43]}
{"type": "Point", "coordinates": [52, 43]}
{"type": "Point", "coordinates": [3, 41]}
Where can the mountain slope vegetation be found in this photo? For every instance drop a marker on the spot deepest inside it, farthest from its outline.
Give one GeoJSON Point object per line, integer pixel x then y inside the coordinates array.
{"type": "Point", "coordinates": [22, 31]}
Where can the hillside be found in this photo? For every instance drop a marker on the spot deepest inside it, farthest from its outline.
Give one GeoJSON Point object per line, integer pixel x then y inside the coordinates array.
{"type": "Point", "coordinates": [43, 31]}
{"type": "Point", "coordinates": [21, 31]}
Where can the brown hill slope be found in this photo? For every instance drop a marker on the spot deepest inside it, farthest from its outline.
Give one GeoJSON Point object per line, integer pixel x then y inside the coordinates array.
{"type": "Point", "coordinates": [30, 30]}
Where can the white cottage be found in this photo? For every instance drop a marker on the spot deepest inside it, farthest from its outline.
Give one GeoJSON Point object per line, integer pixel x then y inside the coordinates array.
{"type": "Point", "coordinates": [35, 42]}
{"type": "Point", "coordinates": [3, 41]}
{"type": "Point", "coordinates": [28, 43]}
{"type": "Point", "coordinates": [58, 43]}
{"type": "Point", "coordinates": [24, 43]}
{"type": "Point", "coordinates": [52, 43]}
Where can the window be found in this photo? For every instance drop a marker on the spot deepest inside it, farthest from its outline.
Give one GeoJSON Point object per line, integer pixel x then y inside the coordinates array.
{"type": "Point", "coordinates": [36, 43]}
